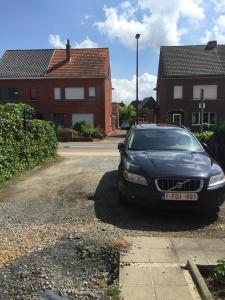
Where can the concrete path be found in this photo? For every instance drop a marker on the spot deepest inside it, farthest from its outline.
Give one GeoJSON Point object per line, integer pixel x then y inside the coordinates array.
{"type": "Point", "coordinates": [154, 268]}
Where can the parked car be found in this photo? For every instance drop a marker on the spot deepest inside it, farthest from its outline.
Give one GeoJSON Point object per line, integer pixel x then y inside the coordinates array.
{"type": "Point", "coordinates": [125, 126]}
{"type": "Point", "coordinates": [166, 166]}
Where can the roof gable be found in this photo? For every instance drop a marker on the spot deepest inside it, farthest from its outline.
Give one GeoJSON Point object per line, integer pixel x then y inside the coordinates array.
{"type": "Point", "coordinates": [50, 63]}
{"type": "Point", "coordinates": [192, 61]}
{"type": "Point", "coordinates": [92, 62]}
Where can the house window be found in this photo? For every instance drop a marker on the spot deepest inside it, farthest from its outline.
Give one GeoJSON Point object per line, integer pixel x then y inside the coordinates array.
{"type": "Point", "coordinates": [208, 118]}
{"type": "Point", "coordinates": [57, 93]}
{"type": "Point", "coordinates": [33, 93]}
{"type": "Point", "coordinates": [178, 92]}
{"type": "Point", "coordinates": [9, 94]}
{"type": "Point", "coordinates": [92, 92]}
{"type": "Point", "coordinates": [195, 118]}
{"type": "Point", "coordinates": [210, 92]}
{"type": "Point", "coordinates": [59, 119]}
{"type": "Point", "coordinates": [74, 93]}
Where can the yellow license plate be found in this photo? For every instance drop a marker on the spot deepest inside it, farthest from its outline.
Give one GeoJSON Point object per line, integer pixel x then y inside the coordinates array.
{"type": "Point", "coordinates": [180, 196]}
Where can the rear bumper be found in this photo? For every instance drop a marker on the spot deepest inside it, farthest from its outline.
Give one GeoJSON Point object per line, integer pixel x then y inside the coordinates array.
{"type": "Point", "coordinates": [146, 196]}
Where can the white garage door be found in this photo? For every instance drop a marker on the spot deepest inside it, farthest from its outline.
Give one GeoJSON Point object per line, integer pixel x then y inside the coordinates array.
{"type": "Point", "coordinates": [83, 117]}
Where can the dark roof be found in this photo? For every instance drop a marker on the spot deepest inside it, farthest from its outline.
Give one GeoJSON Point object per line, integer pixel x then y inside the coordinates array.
{"type": "Point", "coordinates": [90, 62]}
{"type": "Point", "coordinates": [191, 61]}
{"type": "Point", "coordinates": [148, 102]}
{"type": "Point", "coordinates": [25, 63]}
{"type": "Point", "coordinates": [84, 63]}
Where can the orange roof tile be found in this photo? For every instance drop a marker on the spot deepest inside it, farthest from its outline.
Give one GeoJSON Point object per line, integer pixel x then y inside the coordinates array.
{"type": "Point", "coordinates": [84, 63]}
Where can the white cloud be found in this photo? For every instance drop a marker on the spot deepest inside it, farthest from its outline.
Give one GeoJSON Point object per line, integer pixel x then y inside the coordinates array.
{"type": "Point", "coordinates": [217, 32]}
{"type": "Point", "coordinates": [219, 5]}
{"type": "Point", "coordinates": [87, 43]}
{"type": "Point", "coordinates": [56, 42]}
{"type": "Point", "coordinates": [158, 25]}
{"type": "Point", "coordinates": [125, 89]}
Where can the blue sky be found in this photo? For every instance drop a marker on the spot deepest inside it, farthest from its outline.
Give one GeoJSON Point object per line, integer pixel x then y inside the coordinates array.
{"type": "Point", "coordinates": [27, 24]}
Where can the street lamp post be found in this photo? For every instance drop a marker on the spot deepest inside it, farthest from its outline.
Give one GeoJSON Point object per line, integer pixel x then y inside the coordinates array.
{"type": "Point", "coordinates": [202, 107]}
{"type": "Point", "coordinates": [137, 36]}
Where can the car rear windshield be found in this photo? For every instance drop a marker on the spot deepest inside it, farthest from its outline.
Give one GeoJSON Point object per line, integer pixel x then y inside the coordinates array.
{"type": "Point", "coordinates": [163, 139]}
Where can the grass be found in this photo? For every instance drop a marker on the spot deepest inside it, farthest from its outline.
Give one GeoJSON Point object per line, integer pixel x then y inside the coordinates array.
{"type": "Point", "coordinates": [113, 292]}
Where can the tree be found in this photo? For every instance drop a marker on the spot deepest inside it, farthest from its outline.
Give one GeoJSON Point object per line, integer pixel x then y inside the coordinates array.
{"type": "Point", "coordinates": [126, 113]}
{"type": "Point", "coordinates": [144, 112]}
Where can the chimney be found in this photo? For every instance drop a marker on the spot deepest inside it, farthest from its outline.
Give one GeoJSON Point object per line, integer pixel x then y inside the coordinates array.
{"type": "Point", "coordinates": [68, 47]}
{"type": "Point", "coordinates": [211, 45]}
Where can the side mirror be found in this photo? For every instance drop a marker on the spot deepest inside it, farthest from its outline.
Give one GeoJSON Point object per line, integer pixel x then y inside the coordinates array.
{"type": "Point", "coordinates": [205, 146]}
{"type": "Point", "coordinates": [121, 146]}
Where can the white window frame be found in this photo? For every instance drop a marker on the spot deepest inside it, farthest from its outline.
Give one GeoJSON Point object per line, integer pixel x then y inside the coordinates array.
{"type": "Point", "coordinates": [70, 93]}
{"type": "Point", "coordinates": [92, 92]}
{"type": "Point", "coordinates": [209, 119]}
{"type": "Point", "coordinates": [178, 89]}
{"type": "Point", "coordinates": [197, 92]}
{"type": "Point", "coordinates": [57, 93]}
{"type": "Point", "coordinates": [176, 114]}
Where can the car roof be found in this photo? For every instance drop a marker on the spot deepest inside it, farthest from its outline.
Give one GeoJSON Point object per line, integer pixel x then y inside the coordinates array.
{"type": "Point", "coordinates": [158, 126]}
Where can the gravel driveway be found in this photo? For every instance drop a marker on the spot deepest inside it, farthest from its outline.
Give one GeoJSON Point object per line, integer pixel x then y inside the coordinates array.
{"type": "Point", "coordinates": [48, 212]}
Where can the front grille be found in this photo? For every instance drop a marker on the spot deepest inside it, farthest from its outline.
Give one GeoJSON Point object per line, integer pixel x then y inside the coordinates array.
{"type": "Point", "coordinates": [179, 184]}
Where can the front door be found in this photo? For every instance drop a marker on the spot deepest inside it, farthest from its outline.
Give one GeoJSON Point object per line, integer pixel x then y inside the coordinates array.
{"type": "Point", "coordinates": [177, 118]}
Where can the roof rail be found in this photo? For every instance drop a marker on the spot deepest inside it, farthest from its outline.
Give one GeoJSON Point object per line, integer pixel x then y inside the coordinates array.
{"type": "Point", "coordinates": [180, 125]}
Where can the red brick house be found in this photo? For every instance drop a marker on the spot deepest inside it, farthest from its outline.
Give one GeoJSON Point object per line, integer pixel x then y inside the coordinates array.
{"type": "Point", "coordinates": [63, 85]}
{"type": "Point", "coordinates": [185, 70]}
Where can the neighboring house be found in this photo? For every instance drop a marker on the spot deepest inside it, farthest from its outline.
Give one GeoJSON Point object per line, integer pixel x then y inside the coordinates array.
{"type": "Point", "coordinates": [153, 107]}
{"type": "Point", "coordinates": [183, 72]}
{"type": "Point", "coordinates": [115, 115]}
{"type": "Point", "coordinates": [63, 85]}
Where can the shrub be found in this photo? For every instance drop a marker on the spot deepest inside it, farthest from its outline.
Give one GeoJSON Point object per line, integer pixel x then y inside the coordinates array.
{"type": "Point", "coordinates": [204, 137]}
{"type": "Point", "coordinates": [215, 141]}
{"type": "Point", "coordinates": [219, 270]}
{"type": "Point", "coordinates": [77, 126]}
{"type": "Point", "coordinates": [87, 130]}
{"type": "Point", "coordinates": [65, 134]}
{"type": "Point", "coordinates": [22, 149]}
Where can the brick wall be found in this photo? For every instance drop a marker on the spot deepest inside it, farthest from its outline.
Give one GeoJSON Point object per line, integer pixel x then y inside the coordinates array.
{"type": "Point", "coordinates": [187, 105]}
{"type": "Point", "coordinates": [45, 104]}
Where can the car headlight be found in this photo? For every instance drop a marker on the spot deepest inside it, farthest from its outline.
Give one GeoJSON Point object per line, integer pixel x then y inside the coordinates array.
{"type": "Point", "coordinates": [134, 178]}
{"type": "Point", "coordinates": [216, 179]}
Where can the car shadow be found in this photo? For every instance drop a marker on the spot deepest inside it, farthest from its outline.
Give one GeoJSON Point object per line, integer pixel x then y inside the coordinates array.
{"type": "Point", "coordinates": [131, 217]}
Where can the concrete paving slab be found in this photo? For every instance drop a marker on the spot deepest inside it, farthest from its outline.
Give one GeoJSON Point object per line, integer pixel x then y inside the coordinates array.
{"type": "Point", "coordinates": [136, 255]}
{"type": "Point", "coordinates": [198, 256]}
{"type": "Point", "coordinates": [173, 293]}
{"type": "Point", "coordinates": [162, 256]}
{"type": "Point", "coordinates": [135, 292]}
{"type": "Point", "coordinates": [185, 243]}
{"type": "Point", "coordinates": [212, 244]}
{"type": "Point", "coordinates": [166, 276]}
{"type": "Point", "coordinates": [156, 273]}
{"type": "Point", "coordinates": [156, 243]}
{"type": "Point", "coordinates": [213, 256]}
{"type": "Point", "coordinates": [137, 274]}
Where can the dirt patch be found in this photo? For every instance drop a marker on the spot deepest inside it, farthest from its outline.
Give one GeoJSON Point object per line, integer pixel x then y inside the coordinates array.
{"type": "Point", "coordinates": [75, 267]}
{"type": "Point", "coordinates": [215, 285]}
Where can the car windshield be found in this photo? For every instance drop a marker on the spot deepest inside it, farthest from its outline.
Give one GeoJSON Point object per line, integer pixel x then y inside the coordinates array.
{"type": "Point", "coordinates": [163, 139]}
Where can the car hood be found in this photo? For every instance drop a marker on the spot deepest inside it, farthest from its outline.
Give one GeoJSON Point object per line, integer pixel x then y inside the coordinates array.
{"type": "Point", "coordinates": [174, 163]}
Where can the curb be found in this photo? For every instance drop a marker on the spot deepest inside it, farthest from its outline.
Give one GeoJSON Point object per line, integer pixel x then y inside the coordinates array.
{"type": "Point", "coordinates": [198, 280]}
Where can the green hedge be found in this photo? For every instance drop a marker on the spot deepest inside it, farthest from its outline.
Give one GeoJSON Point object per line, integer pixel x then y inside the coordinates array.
{"type": "Point", "coordinates": [215, 141]}
{"type": "Point", "coordinates": [24, 142]}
